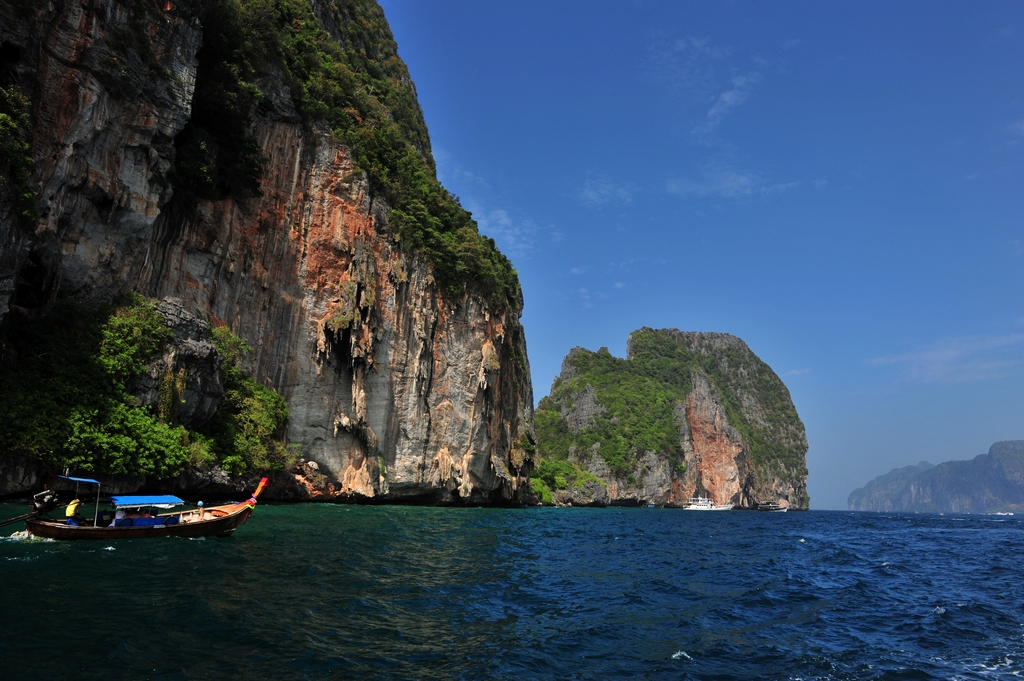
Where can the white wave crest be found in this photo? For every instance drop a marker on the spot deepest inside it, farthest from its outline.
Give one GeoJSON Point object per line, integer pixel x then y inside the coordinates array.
{"type": "Point", "coordinates": [23, 535]}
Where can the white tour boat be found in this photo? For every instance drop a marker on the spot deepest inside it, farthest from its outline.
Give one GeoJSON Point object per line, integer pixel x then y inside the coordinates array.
{"type": "Point", "coordinates": [705, 504]}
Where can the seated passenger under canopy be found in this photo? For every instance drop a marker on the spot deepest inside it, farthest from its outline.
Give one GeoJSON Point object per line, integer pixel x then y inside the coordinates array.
{"type": "Point", "coordinates": [123, 503]}
{"type": "Point", "coordinates": [151, 501]}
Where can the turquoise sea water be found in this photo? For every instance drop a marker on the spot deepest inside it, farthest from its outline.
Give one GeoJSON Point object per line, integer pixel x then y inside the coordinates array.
{"type": "Point", "coordinates": [363, 592]}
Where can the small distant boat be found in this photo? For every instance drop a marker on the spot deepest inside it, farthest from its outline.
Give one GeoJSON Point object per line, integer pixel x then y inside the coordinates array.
{"type": "Point", "coordinates": [705, 504]}
{"type": "Point", "coordinates": [772, 507]}
{"type": "Point", "coordinates": [135, 517]}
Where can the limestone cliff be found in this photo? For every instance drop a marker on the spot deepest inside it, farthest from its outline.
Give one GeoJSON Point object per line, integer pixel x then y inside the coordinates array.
{"type": "Point", "coordinates": [398, 386]}
{"type": "Point", "coordinates": [685, 414]}
{"type": "Point", "coordinates": [988, 483]}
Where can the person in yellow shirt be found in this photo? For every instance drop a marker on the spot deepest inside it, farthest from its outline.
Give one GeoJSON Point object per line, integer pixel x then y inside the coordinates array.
{"type": "Point", "coordinates": [72, 513]}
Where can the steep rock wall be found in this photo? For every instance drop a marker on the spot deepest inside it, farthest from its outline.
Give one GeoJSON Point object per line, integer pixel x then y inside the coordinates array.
{"type": "Point", "coordinates": [103, 128]}
{"type": "Point", "coordinates": [716, 459]}
{"type": "Point", "coordinates": [601, 399]}
{"type": "Point", "coordinates": [394, 391]}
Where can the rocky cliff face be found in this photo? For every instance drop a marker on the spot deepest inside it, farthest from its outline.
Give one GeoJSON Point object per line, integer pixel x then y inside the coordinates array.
{"type": "Point", "coordinates": [396, 389]}
{"type": "Point", "coordinates": [189, 367]}
{"type": "Point", "coordinates": [988, 483]}
{"type": "Point", "coordinates": [686, 414]}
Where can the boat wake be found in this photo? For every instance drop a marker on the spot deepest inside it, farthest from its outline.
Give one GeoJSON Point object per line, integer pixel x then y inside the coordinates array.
{"type": "Point", "coordinates": [23, 535]}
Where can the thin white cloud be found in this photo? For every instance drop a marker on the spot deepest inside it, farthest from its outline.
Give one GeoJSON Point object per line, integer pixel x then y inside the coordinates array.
{"type": "Point", "coordinates": [726, 182]}
{"type": "Point", "coordinates": [598, 191]}
{"type": "Point", "coordinates": [1016, 130]}
{"type": "Point", "coordinates": [730, 99]}
{"type": "Point", "coordinates": [577, 270]}
{"type": "Point", "coordinates": [687, 64]}
{"type": "Point", "coordinates": [798, 372]}
{"type": "Point", "coordinates": [820, 183]}
{"type": "Point", "coordinates": [723, 183]}
{"type": "Point", "coordinates": [779, 187]}
{"type": "Point", "coordinates": [515, 237]}
{"type": "Point", "coordinates": [635, 263]}
{"type": "Point", "coordinates": [738, 92]}
{"type": "Point", "coordinates": [958, 360]}
{"type": "Point", "coordinates": [700, 47]}
{"type": "Point", "coordinates": [620, 284]}
{"type": "Point", "coordinates": [791, 44]}
{"type": "Point", "coordinates": [452, 176]}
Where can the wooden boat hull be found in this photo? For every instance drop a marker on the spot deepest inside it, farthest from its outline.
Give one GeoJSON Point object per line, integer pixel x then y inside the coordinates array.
{"type": "Point", "coordinates": [217, 525]}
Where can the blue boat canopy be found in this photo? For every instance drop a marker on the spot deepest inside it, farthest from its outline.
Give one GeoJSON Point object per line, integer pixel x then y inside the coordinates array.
{"type": "Point", "coordinates": [159, 500]}
{"type": "Point", "coordinates": [87, 480]}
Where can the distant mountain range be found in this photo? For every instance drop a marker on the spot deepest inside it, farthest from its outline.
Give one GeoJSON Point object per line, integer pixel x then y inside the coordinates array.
{"type": "Point", "coordinates": [987, 483]}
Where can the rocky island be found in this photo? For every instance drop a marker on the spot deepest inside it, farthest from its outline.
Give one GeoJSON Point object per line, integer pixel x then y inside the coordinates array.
{"type": "Point", "coordinates": [988, 483]}
{"type": "Point", "coordinates": [684, 414]}
{"type": "Point", "coordinates": [223, 248]}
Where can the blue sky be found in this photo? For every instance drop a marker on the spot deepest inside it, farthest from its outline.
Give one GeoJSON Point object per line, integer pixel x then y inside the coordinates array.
{"type": "Point", "coordinates": [838, 184]}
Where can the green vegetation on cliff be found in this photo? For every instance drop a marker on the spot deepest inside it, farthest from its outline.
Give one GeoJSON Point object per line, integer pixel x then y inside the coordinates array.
{"type": "Point", "coordinates": [636, 404]}
{"type": "Point", "coordinates": [15, 157]}
{"type": "Point", "coordinates": [774, 434]}
{"type": "Point", "coordinates": [637, 414]}
{"type": "Point", "coordinates": [65, 397]}
{"type": "Point", "coordinates": [247, 428]}
{"type": "Point", "coordinates": [362, 90]}
{"type": "Point", "coordinates": [555, 474]}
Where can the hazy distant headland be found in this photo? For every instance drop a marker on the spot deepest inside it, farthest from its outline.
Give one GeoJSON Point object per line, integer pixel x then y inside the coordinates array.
{"type": "Point", "coordinates": [987, 483]}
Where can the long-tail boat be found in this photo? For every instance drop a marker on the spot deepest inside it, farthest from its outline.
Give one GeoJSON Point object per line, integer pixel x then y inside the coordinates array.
{"type": "Point", "coordinates": [135, 523]}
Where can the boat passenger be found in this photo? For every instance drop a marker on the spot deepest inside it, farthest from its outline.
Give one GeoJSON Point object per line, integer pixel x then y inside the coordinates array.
{"type": "Point", "coordinates": [118, 517]}
{"type": "Point", "coordinates": [72, 513]}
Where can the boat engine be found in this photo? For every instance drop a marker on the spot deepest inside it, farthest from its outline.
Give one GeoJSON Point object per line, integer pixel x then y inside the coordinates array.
{"type": "Point", "coordinates": [44, 502]}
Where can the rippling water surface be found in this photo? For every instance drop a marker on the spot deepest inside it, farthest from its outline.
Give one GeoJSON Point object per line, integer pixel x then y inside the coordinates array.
{"type": "Point", "coordinates": [361, 592]}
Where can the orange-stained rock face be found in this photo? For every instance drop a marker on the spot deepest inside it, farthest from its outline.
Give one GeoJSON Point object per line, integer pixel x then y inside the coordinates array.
{"type": "Point", "coordinates": [716, 463]}
{"type": "Point", "coordinates": [393, 390]}
{"type": "Point", "coordinates": [718, 467]}
{"type": "Point", "coordinates": [381, 374]}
